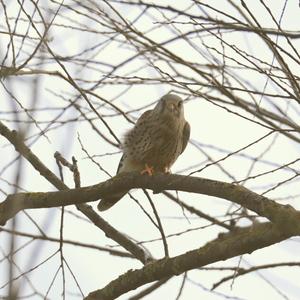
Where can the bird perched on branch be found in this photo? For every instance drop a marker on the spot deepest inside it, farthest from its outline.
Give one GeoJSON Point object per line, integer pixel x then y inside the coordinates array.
{"type": "Point", "coordinates": [159, 136]}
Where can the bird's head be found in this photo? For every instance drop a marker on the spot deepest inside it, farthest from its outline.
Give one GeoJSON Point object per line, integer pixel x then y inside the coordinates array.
{"type": "Point", "coordinates": [170, 105]}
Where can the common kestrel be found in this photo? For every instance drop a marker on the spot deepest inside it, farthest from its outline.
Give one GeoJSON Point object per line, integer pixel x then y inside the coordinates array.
{"type": "Point", "coordinates": [159, 136]}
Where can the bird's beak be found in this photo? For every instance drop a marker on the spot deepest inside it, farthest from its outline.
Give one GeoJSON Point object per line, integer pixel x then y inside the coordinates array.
{"type": "Point", "coordinates": [174, 109]}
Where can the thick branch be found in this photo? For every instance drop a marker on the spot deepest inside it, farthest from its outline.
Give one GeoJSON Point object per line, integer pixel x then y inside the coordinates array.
{"type": "Point", "coordinates": [235, 243]}
{"type": "Point", "coordinates": [282, 215]}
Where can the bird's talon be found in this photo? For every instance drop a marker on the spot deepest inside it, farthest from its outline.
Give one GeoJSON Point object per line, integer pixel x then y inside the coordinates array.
{"type": "Point", "coordinates": [148, 170]}
{"type": "Point", "coordinates": [167, 170]}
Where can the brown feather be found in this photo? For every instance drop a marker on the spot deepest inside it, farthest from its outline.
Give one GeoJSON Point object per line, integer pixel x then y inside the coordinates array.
{"type": "Point", "coordinates": [159, 136]}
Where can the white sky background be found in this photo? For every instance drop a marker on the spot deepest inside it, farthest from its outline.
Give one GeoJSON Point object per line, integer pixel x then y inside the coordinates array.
{"type": "Point", "coordinates": [210, 125]}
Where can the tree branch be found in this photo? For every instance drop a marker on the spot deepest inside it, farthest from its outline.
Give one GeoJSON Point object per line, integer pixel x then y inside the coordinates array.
{"type": "Point", "coordinates": [244, 240]}
{"type": "Point", "coordinates": [7, 209]}
{"type": "Point", "coordinates": [284, 216]}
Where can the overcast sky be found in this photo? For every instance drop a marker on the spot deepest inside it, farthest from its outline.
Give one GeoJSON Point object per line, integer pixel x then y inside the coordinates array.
{"type": "Point", "coordinates": [217, 129]}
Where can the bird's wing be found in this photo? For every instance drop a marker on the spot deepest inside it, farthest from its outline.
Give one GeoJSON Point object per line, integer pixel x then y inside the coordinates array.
{"type": "Point", "coordinates": [185, 135]}
{"type": "Point", "coordinates": [144, 117]}
{"type": "Point", "coordinates": [141, 129]}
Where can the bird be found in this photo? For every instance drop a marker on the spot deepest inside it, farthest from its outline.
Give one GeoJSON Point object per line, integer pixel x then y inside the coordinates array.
{"type": "Point", "coordinates": [153, 145]}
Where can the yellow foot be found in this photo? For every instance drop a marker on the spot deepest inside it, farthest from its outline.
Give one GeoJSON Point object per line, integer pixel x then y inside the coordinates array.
{"type": "Point", "coordinates": [148, 170]}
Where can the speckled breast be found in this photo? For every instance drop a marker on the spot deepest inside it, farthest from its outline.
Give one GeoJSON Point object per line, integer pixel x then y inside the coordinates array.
{"type": "Point", "coordinates": [158, 146]}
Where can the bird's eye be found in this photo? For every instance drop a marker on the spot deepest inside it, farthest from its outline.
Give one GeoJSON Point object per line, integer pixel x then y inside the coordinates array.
{"type": "Point", "coordinates": [179, 104]}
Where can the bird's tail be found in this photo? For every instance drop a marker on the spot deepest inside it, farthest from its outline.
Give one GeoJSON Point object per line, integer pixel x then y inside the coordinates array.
{"type": "Point", "coordinates": [108, 202]}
